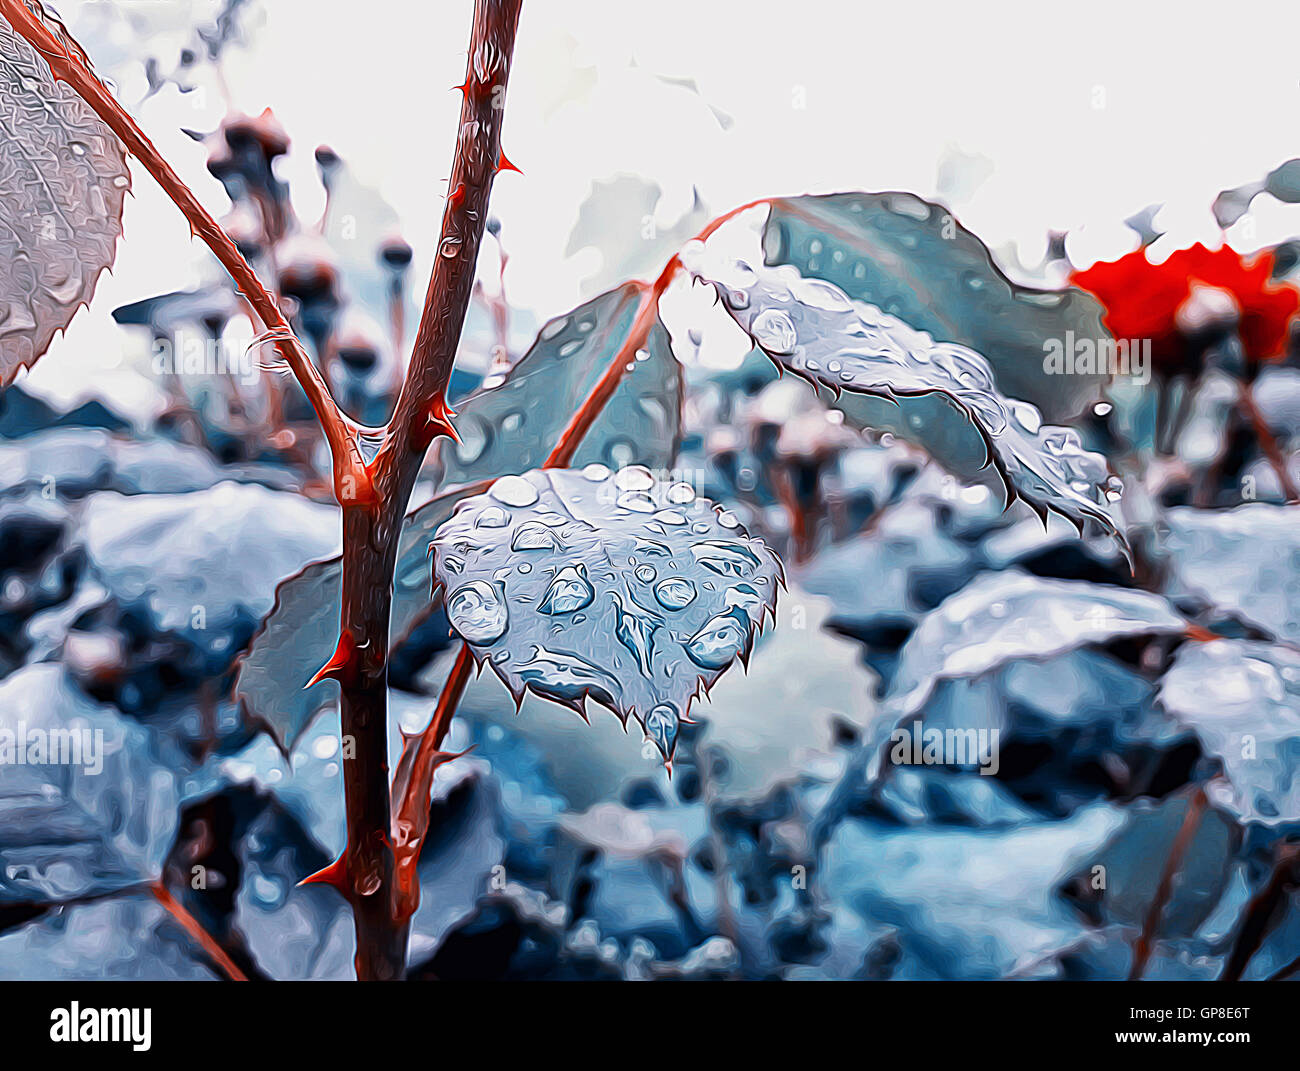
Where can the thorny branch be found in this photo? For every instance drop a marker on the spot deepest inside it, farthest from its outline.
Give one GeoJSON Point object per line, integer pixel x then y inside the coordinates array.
{"type": "Point", "coordinates": [69, 65]}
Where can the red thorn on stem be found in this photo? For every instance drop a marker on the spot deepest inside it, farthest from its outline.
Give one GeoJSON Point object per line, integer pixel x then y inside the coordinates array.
{"type": "Point", "coordinates": [438, 416]}
{"type": "Point", "coordinates": [504, 164]}
{"type": "Point", "coordinates": [463, 88]}
{"type": "Point", "coordinates": [457, 195]}
{"type": "Point", "coordinates": [335, 874]}
{"type": "Point", "coordinates": [342, 663]}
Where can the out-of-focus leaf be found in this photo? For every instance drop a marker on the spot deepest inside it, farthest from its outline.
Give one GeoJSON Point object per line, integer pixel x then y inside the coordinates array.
{"type": "Point", "coordinates": [1242, 699]}
{"type": "Point", "coordinates": [624, 588]}
{"type": "Point", "coordinates": [514, 426]}
{"type": "Point", "coordinates": [1277, 395]}
{"type": "Point", "coordinates": [101, 819]}
{"type": "Point", "coordinates": [131, 936]}
{"type": "Point", "coordinates": [299, 932]}
{"type": "Point", "coordinates": [65, 179]}
{"type": "Point", "coordinates": [1283, 182]}
{"type": "Point", "coordinates": [1132, 863]}
{"type": "Point", "coordinates": [1002, 617]}
{"type": "Point", "coordinates": [915, 555]}
{"type": "Point", "coordinates": [203, 564]}
{"type": "Point", "coordinates": [72, 462]}
{"type": "Point", "coordinates": [1245, 562]}
{"type": "Point", "coordinates": [884, 373]}
{"type": "Point", "coordinates": [302, 630]}
{"type": "Point", "coordinates": [803, 666]}
{"type": "Point", "coordinates": [913, 260]}
{"type": "Point", "coordinates": [964, 903]}
{"type": "Point", "coordinates": [293, 824]}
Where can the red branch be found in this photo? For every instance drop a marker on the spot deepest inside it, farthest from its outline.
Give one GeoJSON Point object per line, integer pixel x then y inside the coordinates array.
{"type": "Point", "coordinates": [194, 928]}
{"type": "Point", "coordinates": [379, 859]}
{"type": "Point", "coordinates": [1182, 841]}
{"type": "Point", "coordinates": [1267, 442]}
{"type": "Point", "coordinates": [68, 65]}
{"type": "Point", "coordinates": [422, 753]}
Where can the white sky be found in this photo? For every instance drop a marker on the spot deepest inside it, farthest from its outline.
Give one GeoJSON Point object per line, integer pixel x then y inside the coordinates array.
{"type": "Point", "coordinates": [1194, 98]}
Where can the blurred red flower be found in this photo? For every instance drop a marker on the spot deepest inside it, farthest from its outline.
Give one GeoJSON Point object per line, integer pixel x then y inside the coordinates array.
{"type": "Point", "coordinates": [1142, 300]}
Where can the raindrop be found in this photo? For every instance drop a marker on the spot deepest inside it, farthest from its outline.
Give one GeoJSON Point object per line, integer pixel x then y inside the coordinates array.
{"type": "Point", "coordinates": [670, 516]}
{"type": "Point", "coordinates": [635, 631]}
{"type": "Point", "coordinates": [661, 725]}
{"type": "Point", "coordinates": [569, 591]}
{"type": "Point", "coordinates": [1027, 416]}
{"type": "Point", "coordinates": [634, 478]}
{"type": "Point", "coordinates": [596, 472]}
{"type": "Point", "coordinates": [823, 295]}
{"type": "Point", "coordinates": [749, 600]}
{"type": "Point", "coordinates": [724, 558]}
{"type": "Point", "coordinates": [478, 612]}
{"type": "Point", "coordinates": [717, 643]}
{"type": "Point", "coordinates": [636, 501]}
{"type": "Point", "coordinates": [675, 593]}
{"type": "Point", "coordinates": [646, 573]}
{"type": "Point", "coordinates": [492, 517]}
{"type": "Point", "coordinates": [514, 491]}
{"type": "Point", "coordinates": [774, 331]}
{"type": "Point", "coordinates": [554, 328]}
{"type": "Point", "coordinates": [473, 440]}
{"type": "Point", "coordinates": [533, 535]}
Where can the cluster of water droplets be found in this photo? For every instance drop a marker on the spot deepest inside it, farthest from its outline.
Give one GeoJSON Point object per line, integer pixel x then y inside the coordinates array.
{"type": "Point", "coordinates": [621, 586]}
{"type": "Point", "coordinates": [813, 328]}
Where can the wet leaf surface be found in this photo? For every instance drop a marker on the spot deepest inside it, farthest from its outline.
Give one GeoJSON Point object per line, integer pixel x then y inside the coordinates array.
{"type": "Point", "coordinates": [913, 260]}
{"type": "Point", "coordinates": [885, 374]}
{"type": "Point", "coordinates": [1003, 617]}
{"type": "Point", "coordinates": [1244, 562]}
{"type": "Point", "coordinates": [620, 587]}
{"type": "Point", "coordinates": [204, 564]}
{"type": "Point", "coordinates": [65, 179]}
{"type": "Point", "coordinates": [73, 829]}
{"type": "Point", "coordinates": [1243, 700]}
